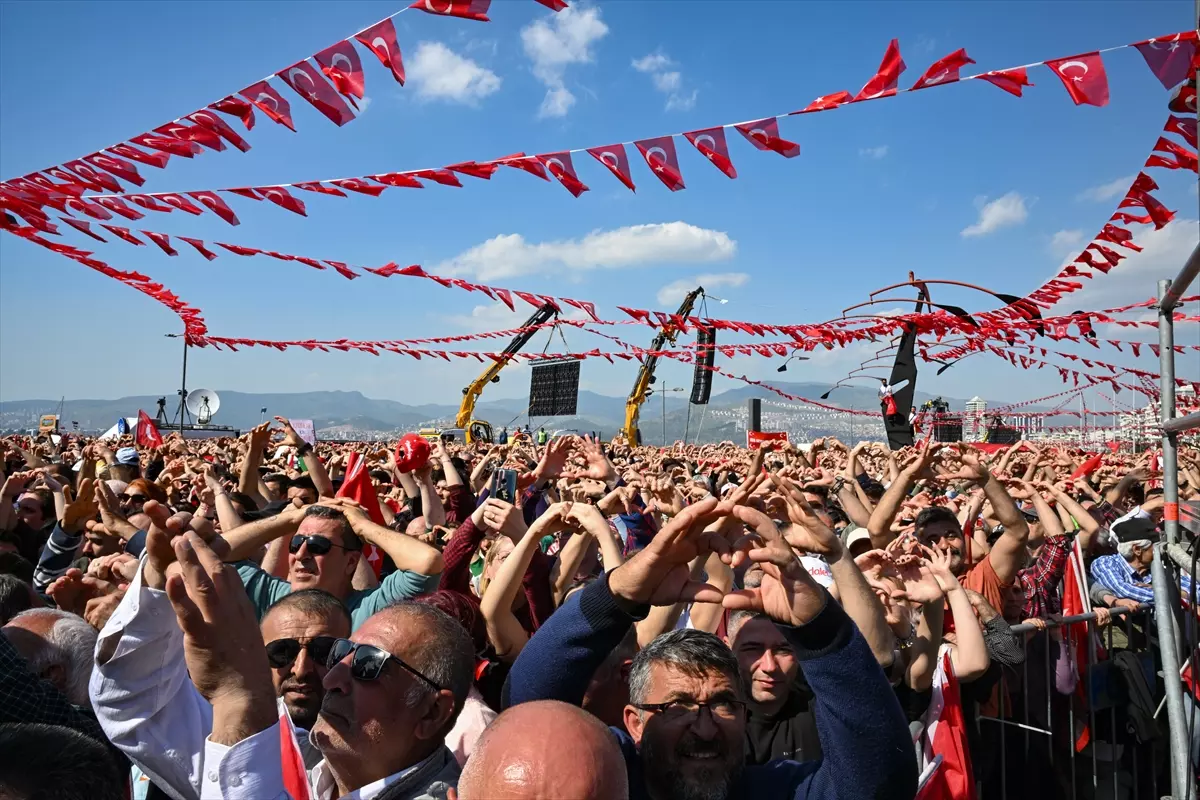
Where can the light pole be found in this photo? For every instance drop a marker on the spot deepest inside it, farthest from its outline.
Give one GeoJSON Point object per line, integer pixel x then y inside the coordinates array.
{"type": "Point", "coordinates": [662, 392]}
{"type": "Point", "coordinates": [183, 381]}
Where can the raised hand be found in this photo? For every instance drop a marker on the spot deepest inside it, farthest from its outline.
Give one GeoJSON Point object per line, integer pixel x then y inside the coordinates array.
{"type": "Point", "coordinates": [504, 518]}
{"type": "Point", "coordinates": [554, 459]}
{"type": "Point", "coordinates": [787, 594]}
{"type": "Point", "coordinates": [597, 466]}
{"type": "Point", "coordinates": [83, 508]}
{"type": "Point", "coordinates": [290, 437]}
{"type": "Point", "coordinates": [807, 532]}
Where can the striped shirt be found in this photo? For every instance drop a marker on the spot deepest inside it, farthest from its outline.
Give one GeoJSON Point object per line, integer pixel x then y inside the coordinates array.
{"type": "Point", "coordinates": [60, 552]}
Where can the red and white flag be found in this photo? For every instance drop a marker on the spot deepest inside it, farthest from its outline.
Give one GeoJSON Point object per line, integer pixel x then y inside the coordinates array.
{"type": "Point", "coordinates": [826, 102]}
{"type": "Point", "coordinates": [236, 107]}
{"type": "Point", "coordinates": [307, 82]}
{"type": "Point", "coordinates": [155, 159]}
{"type": "Point", "coordinates": [124, 233]}
{"type": "Point", "coordinates": [360, 186]}
{"type": "Point", "coordinates": [92, 177]}
{"type": "Point", "coordinates": [1182, 157]}
{"type": "Point", "coordinates": [341, 64]}
{"type": "Point", "coordinates": [200, 248]}
{"type": "Point", "coordinates": [180, 202]}
{"type": "Point", "coordinates": [659, 153]}
{"type": "Point", "coordinates": [147, 434]}
{"type": "Point", "coordinates": [885, 80]}
{"type": "Point", "coordinates": [358, 487]}
{"type": "Point", "coordinates": [84, 228]}
{"type": "Point", "coordinates": [118, 206]}
{"type": "Point", "coordinates": [1010, 80]}
{"type": "Point", "coordinates": [1084, 78]}
{"type": "Point", "coordinates": [613, 157]}
{"type": "Point", "coordinates": [270, 102]}
{"type": "Point", "coordinates": [946, 736]}
{"type": "Point", "coordinates": [381, 39]}
{"type": "Point", "coordinates": [196, 134]}
{"type": "Point", "coordinates": [467, 9]}
{"type": "Point", "coordinates": [216, 205]}
{"type": "Point", "coordinates": [295, 776]}
{"type": "Point", "coordinates": [122, 169]}
{"type": "Point", "coordinates": [944, 70]}
{"type": "Point", "coordinates": [764, 134]}
{"type": "Point", "coordinates": [1170, 58]}
{"type": "Point", "coordinates": [207, 119]}
{"type": "Point", "coordinates": [167, 144]}
{"type": "Point", "coordinates": [163, 241]}
{"type": "Point", "coordinates": [1078, 639]}
{"type": "Point", "coordinates": [563, 169]}
{"type": "Point", "coordinates": [711, 144]}
{"type": "Point", "coordinates": [282, 198]}
{"type": "Point", "coordinates": [1184, 126]}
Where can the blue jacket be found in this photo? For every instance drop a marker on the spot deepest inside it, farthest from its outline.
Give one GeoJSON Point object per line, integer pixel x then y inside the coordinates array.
{"type": "Point", "coordinates": [868, 751]}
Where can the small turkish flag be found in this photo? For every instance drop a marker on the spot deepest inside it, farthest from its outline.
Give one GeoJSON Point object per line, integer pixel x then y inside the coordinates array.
{"type": "Point", "coordinates": [1184, 158]}
{"type": "Point", "coordinates": [562, 168]}
{"type": "Point", "coordinates": [239, 250]}
{"type": "Point", "coordinates": [155, 159]}
{"type": "Point", "coordinates": [308, 83]}
{"type": "Point", "coordinates": [523, 162]}
{"type": "Point", "coordinates": [613, 157]}
{"type": "Point", "coordinates": [360, 186]}
{"type": "Point", "coordinates": [91, 209]}
{"type": "Point", "coordinates": [884, 82]}
{"type": "Point", "coordinates": [467, 9]}
{"type": "Point", "coordinates": [1084, 78]}
{"type": "Point", "coordinates": [192, 133]}
{"type": "Point", "coordinates": [123, 233]}
{"type": "Point", "coordinates": [200, 248]}
{"type": "Point", "coordinates": [168, 144]}
{"type": "Point", "coordinates": [270, 102]}
{"type": "Point", "coordinates": [381, 39]}
{"type": "Point", "coordinates": [764, 134]}
{"type": "Point", "coordinates": [443, 176]}
{"type": "Point", "coordinates": [711, 144]}
{"type": "Point", "coordinates": [944, 70]}
{"type": "Point", "coordinates": [180, 202]}
{"type": "Point", "coordinates": [70, 185]}
{"type": "Point", "coordinates": [826, 102]}
{"type": "Point", "coordinates": [475, 170]}
{"type": "Point", "coordinates": [319, 188]}
{"type": "Point", "coordinates": [341, 64]}
{"type": "Point", "coordinates": [118, 206]}
{"type": "Point", "coordinates": [1184, 126]}
{"type": "Point", "coordinates": [659, 153]}
{"type": "Point", "coordinates": [163, 241]}
{"type": "Point", "coordinates": [147, 431]}
{"type": "Point", "coordinates": [148, 202]}
{"type": "Point", "coordinates": [1183, 98]}
{"type": "Point", "coordinates": [93, 177]}
{"type": "Point", "coordinates": [398, 179]}
{"type": "Point", "coordinates": [295, 776]}
{"type": "Point", "coordinates": [216, 205]}
{"type": "Point", "coordinates": [282, 198]}
{"type": "Point", "coordinates": [1170, 58]}
{"type": "Point", "coordinates": [1010, 80]}
{"type": "Point", "coordinates": [84, 228]}
{"type": "Point", "coordinates": [212, 122]}
{"type": "Point", "coordinates": [122, 169]}
{"type": "Point", "coordinates": [236, 107]}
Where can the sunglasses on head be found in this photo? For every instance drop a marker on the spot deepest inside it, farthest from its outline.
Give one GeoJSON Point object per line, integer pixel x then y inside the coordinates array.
{"type": "Point", "coordinates": [282, 652]}
{"type": "Point", "coordinates": [368, 661]}
{"type": "Point", "coordinates": [317, 545]}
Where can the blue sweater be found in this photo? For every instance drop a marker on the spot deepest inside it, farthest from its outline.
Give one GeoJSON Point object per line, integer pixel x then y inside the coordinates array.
{"type": "Point", "coordinates": [868, 751]}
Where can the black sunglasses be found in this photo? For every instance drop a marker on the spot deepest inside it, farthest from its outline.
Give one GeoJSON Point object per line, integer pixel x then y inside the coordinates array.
{"type": "Point", "coordinates": [369, 661]}
{"type": "Point", "coordinates": [134, 498]}
{"type": "Point", "coordinates": [317, 545]}
{"type": "Point", "coordinates": [282, 652]}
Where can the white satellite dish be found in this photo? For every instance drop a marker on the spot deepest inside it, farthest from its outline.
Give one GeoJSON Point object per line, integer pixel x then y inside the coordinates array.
{"type": "Point", "coordinates": [203, 405]}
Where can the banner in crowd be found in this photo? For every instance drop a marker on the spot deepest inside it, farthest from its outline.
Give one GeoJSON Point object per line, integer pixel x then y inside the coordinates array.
{"type": "Point", "coordinates": [756, 439]}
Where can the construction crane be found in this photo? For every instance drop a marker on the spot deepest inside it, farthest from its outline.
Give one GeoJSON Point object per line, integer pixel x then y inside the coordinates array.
{"type": "Point", "coordinates": [477, 430]}
{"type": "Point", "coordinates": [645, 376]}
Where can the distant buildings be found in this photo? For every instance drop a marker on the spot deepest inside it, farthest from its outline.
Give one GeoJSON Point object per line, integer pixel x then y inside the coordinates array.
{"type": "Point", "coordinates": [974, 424]}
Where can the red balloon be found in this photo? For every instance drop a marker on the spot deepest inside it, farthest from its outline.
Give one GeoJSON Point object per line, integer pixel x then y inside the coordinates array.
{"type": "Point", "coordinates": [412, 452]}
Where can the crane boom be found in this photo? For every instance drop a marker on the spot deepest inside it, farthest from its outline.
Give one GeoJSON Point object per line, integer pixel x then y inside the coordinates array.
{"type": "Point", "coordinates": [471, 393]}
{"type": "Point", "coordinates": [645, 376]}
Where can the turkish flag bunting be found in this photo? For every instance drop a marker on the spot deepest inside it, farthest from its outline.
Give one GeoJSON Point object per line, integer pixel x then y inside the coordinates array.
{"type": "Point", "coordinates": [163, 241]}
{"type": "Point", "coordinates": [398, 179]}
{"type": "Point", "coordinates": [1183, 99]}
{"type": "Point", "coordinates": [1132, 219]}
{"type": "Point", "coordinates": [91, 209]}
{"type": "Point", "coordinates": [180, 202]}
{"type": "Point", "coordinates": [237, 249]}
{"type": "Point", "coordinates": [662, 160]}
{"type": "Point", "coordinates": [467, 9]}
{"type": "Point", "coordinates": [380, 38]}
{"type": "Point", "coordinates": [1111, 233]}
{"type": "Point", "coordinates": [360, 186]}
{"type": "Point", "coordinates": [505, 297]}
{"type": "Point", "coordinates": [1143, 183]}
{"type": "Point", "coordinates": [944, 70]}
{"type": "Point", "coordinates": [1184, 158]}
{"type": "Point", "coordinates": [308, 83]}
{"type": "Point", "coordinates": [212, 122]}
{"type": "Point", "coordinates": [93, 177]}
{"type": "Point", "coordinates": [312, 262]}
{"type": "Point", "coordinates": [341, 64]}
{"type": "Point", "coordinates": [282, 198]}
{"type": "Point", "coordinates": [711, 144]}
{"type": "Point", "coordinates": [562, 168]}
{"type": "Point", "coordinates": [613, 157]}
{"type": "Point", "coordinates": [1184, 126]}
{"type": "Point", "coordinates": [764, 134]}
{"type": "Point", "coordinates": [147, 432]}
{"type": "Point", "coordinates": [584, 306]}
{"type": "Point", "coordinates": [1156, 212]}
{"type": "Point", "coordinates": [236, 107]}
{"type": "Point", "coordinates": [444, 177]}
{"type": "Point", "coordinates": [117, 205]}
{"type": "Point", "coordinates": [1084, 78]}
{"type": "Point", "coordinates": [529, 164]}
{"type": "Point", "coordinates": [1109, 255]}
{"type": "Point", "coordinates": [123, 233]}
{"type": "Point", "coordinates": [70, 183]}
{"type": "Point", "coordinates": [884, 82]}
{"type": "Point", "coordinates": [216, 205]}
{"type": "Point", "coordinates": [84, 228]}
{"type": "Point", "coordinates": [199, 245]}
{"type": "Point", "coordinates": [342, 269]}
{"type": "Point", "coordinates": [1010, 80]}
{"type": "Point", "coordinates": [149, 202]}
{"type": "Point", "coordinates": [167, 144]}
{"type": "Point", "coordinates": [532, 299]}
{"type": "Point", "coordinates": [358, 487]}
{"type": "Point", "coordinates": [475, 170]}
{"type": "Point", "coordinates": [826, 102]}
{"type": "Point", "coordinates": [122, 169]}
{"type": "Point", "coordinates": [320, 188]}
{"type": "Point", "coordinates": [1170, 58]}
{"type": "Point", "coordinates": [192, 133]}
{"type": "Point", "coordinates": [270, 102]}
{"type": "Point", "coordinates": [154, 159]}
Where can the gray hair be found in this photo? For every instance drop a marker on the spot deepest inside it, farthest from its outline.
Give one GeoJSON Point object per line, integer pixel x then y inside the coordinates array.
{"type": "Point", "coordinates": [1126, 548]}
{"type": "Point", "coordinates": [69, 643]}
{"type": "Point", "coordinates": [691, 651]}
{"type": "Point", "coordinates": [445, 654]}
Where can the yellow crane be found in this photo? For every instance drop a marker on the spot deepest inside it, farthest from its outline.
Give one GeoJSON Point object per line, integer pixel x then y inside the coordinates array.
{"type": "Point", "coordinates": [477, 430]}
{"type": "Point", "coordinates": [645, 376]}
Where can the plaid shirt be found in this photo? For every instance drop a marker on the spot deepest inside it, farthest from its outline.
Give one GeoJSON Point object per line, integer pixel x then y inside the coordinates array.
{"type": "Point", "coordinates": [1040, 581]}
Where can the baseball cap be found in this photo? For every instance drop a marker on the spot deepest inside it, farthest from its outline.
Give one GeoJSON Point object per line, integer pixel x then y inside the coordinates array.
{"type": "Point", "coordinates": [1135, 530]}
{"type": "Point", "coordinates": [127, 456]}
{"type": "Point", "coordinates": [855, 534]}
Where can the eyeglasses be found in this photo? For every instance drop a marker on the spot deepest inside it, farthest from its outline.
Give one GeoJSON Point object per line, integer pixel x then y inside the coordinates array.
{"type": "Point", "coordinates": [684, 708]}
{"type": "Point", "coordinates": [282, 652]}
{"type": "Point", "coordinates": [317, 545]}
{"type": "Point", "coordinates": [369, 661]}
{"type": "Point", "coordinates": [134, 498]}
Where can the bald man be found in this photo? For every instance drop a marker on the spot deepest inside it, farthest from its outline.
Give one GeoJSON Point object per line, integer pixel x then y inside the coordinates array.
{"type": "Point", "coordinates": [510, 760]}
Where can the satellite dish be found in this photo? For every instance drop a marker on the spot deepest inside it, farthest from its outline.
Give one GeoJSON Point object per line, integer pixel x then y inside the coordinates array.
{"type": "Point", "coordinates": [203, 405]}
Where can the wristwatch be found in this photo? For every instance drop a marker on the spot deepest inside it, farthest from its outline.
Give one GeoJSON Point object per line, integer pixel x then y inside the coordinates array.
{"type": "Point", "coordinates": [304, 450]}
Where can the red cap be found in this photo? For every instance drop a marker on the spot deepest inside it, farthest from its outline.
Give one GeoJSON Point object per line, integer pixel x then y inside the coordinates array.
{"type": "Point", "coordinates": [412, 452]}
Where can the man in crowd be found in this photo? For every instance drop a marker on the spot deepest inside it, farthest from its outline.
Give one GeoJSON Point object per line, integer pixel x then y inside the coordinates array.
{"type": "Point", "coordinates": [1126, 573]}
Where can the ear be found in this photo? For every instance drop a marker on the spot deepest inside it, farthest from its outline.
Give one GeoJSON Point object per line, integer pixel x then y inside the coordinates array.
{"type": "Point", "coordinates": [56, 675]}
{"type": "Point", "coordinates": [635, 724]}
{"type": "Point", "coordinates": [626, 668]}
{"type": "Point", "coordinates": [352, 559]}
{"type": "Point", "coordinates": [435, 722]}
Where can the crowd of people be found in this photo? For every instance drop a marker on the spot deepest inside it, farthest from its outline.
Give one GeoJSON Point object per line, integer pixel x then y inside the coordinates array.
{"type": "Point", "coordinates": [265, 618]}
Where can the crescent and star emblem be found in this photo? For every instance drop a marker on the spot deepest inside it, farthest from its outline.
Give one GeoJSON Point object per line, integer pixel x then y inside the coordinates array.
{"type": "Point", "coordinates": [1062, 70]}
{"type": "Point", "coordinates": [611, 159]}
{"type": "Point", "coordinates": [431, 6]}
{"type": "Point", "coordinates": [939, 78]}
{"type": "Point", "coordinates": [264, 98]}
{"type": "Point", "coordinates": [342, 59]}
{"type": "Point", "coordinates": [296, 74]}
{"type": "Point", "coordinates": [707, 141]}
{"type": "Point", "coordinates": [381, 44]}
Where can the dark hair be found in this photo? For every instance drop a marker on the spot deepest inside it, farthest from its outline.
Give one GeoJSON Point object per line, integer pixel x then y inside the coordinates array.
{"type": "Point", "coordinates": [56, 763]}
{"type": "Point", "coordinates": [314, 602]}
{"type": "Point", "coordinates": [16, 564]}
{"type": "Point", "coordinates": [694, 652]}
{"type": "Point", "coordinates": [820, 491]}
{"type": "Point", "coordinates": [380, 476]}
{"type": "Point", "coordinates": [247, 502]}
{"type": "Point", "coordinates": [15, 596]}
{"type": "Point", "coordinates": [463, 610]}
{"type": "Point", "coordinates": [350, 539]}
{"type": "Point", "coordinates": [303, 482]}
{"type": "Point", "coordinates": [277, 477]}
{"type": "Point", "coordinates": [932, 514]}
{"type": "Point", "coordinates": [401, 520]}
{"type": "Point", "coordinates": [46, 498]}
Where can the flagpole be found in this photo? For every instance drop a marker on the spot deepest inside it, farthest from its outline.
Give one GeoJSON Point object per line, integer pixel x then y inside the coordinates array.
{"type": "Point", "coordinates": [183, 380]}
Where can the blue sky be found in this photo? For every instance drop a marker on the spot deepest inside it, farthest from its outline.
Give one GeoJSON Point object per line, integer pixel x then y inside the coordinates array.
{"type": "Point", "coordinates": [880, 188]}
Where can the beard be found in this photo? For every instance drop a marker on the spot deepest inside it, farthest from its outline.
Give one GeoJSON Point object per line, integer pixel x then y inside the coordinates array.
{"type": "Point", "coordinates": [668, 778]}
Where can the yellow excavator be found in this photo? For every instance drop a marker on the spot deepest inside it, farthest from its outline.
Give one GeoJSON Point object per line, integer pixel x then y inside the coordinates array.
{"type": "Point", "coordinates": [645, 376]}
{"type": "Point", "coordinates": [477, 430]}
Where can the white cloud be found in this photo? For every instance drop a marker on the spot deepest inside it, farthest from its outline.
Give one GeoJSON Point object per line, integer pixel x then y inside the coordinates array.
{"type": "Point", "coordinates": [673, 293]}
{"type": "Point", "coordinates": [1106, 191]}
{"type": "Point", "coordinates": [666, 80]}
{"type": "Point", "coordinates": [1067, 241]}
{"type": "Point", "coordinates": [363, 104]}
{"type": "Point", "coordinates": [511, 255]}
{"type": "Point", "coordinates": [553, 45]}
{"type": "Point", "coordinates": [438, 73]}
{"type": "Point", "coordinates": [1000, 213]}
{"type": "Point", "coordinates": [874, 152]}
